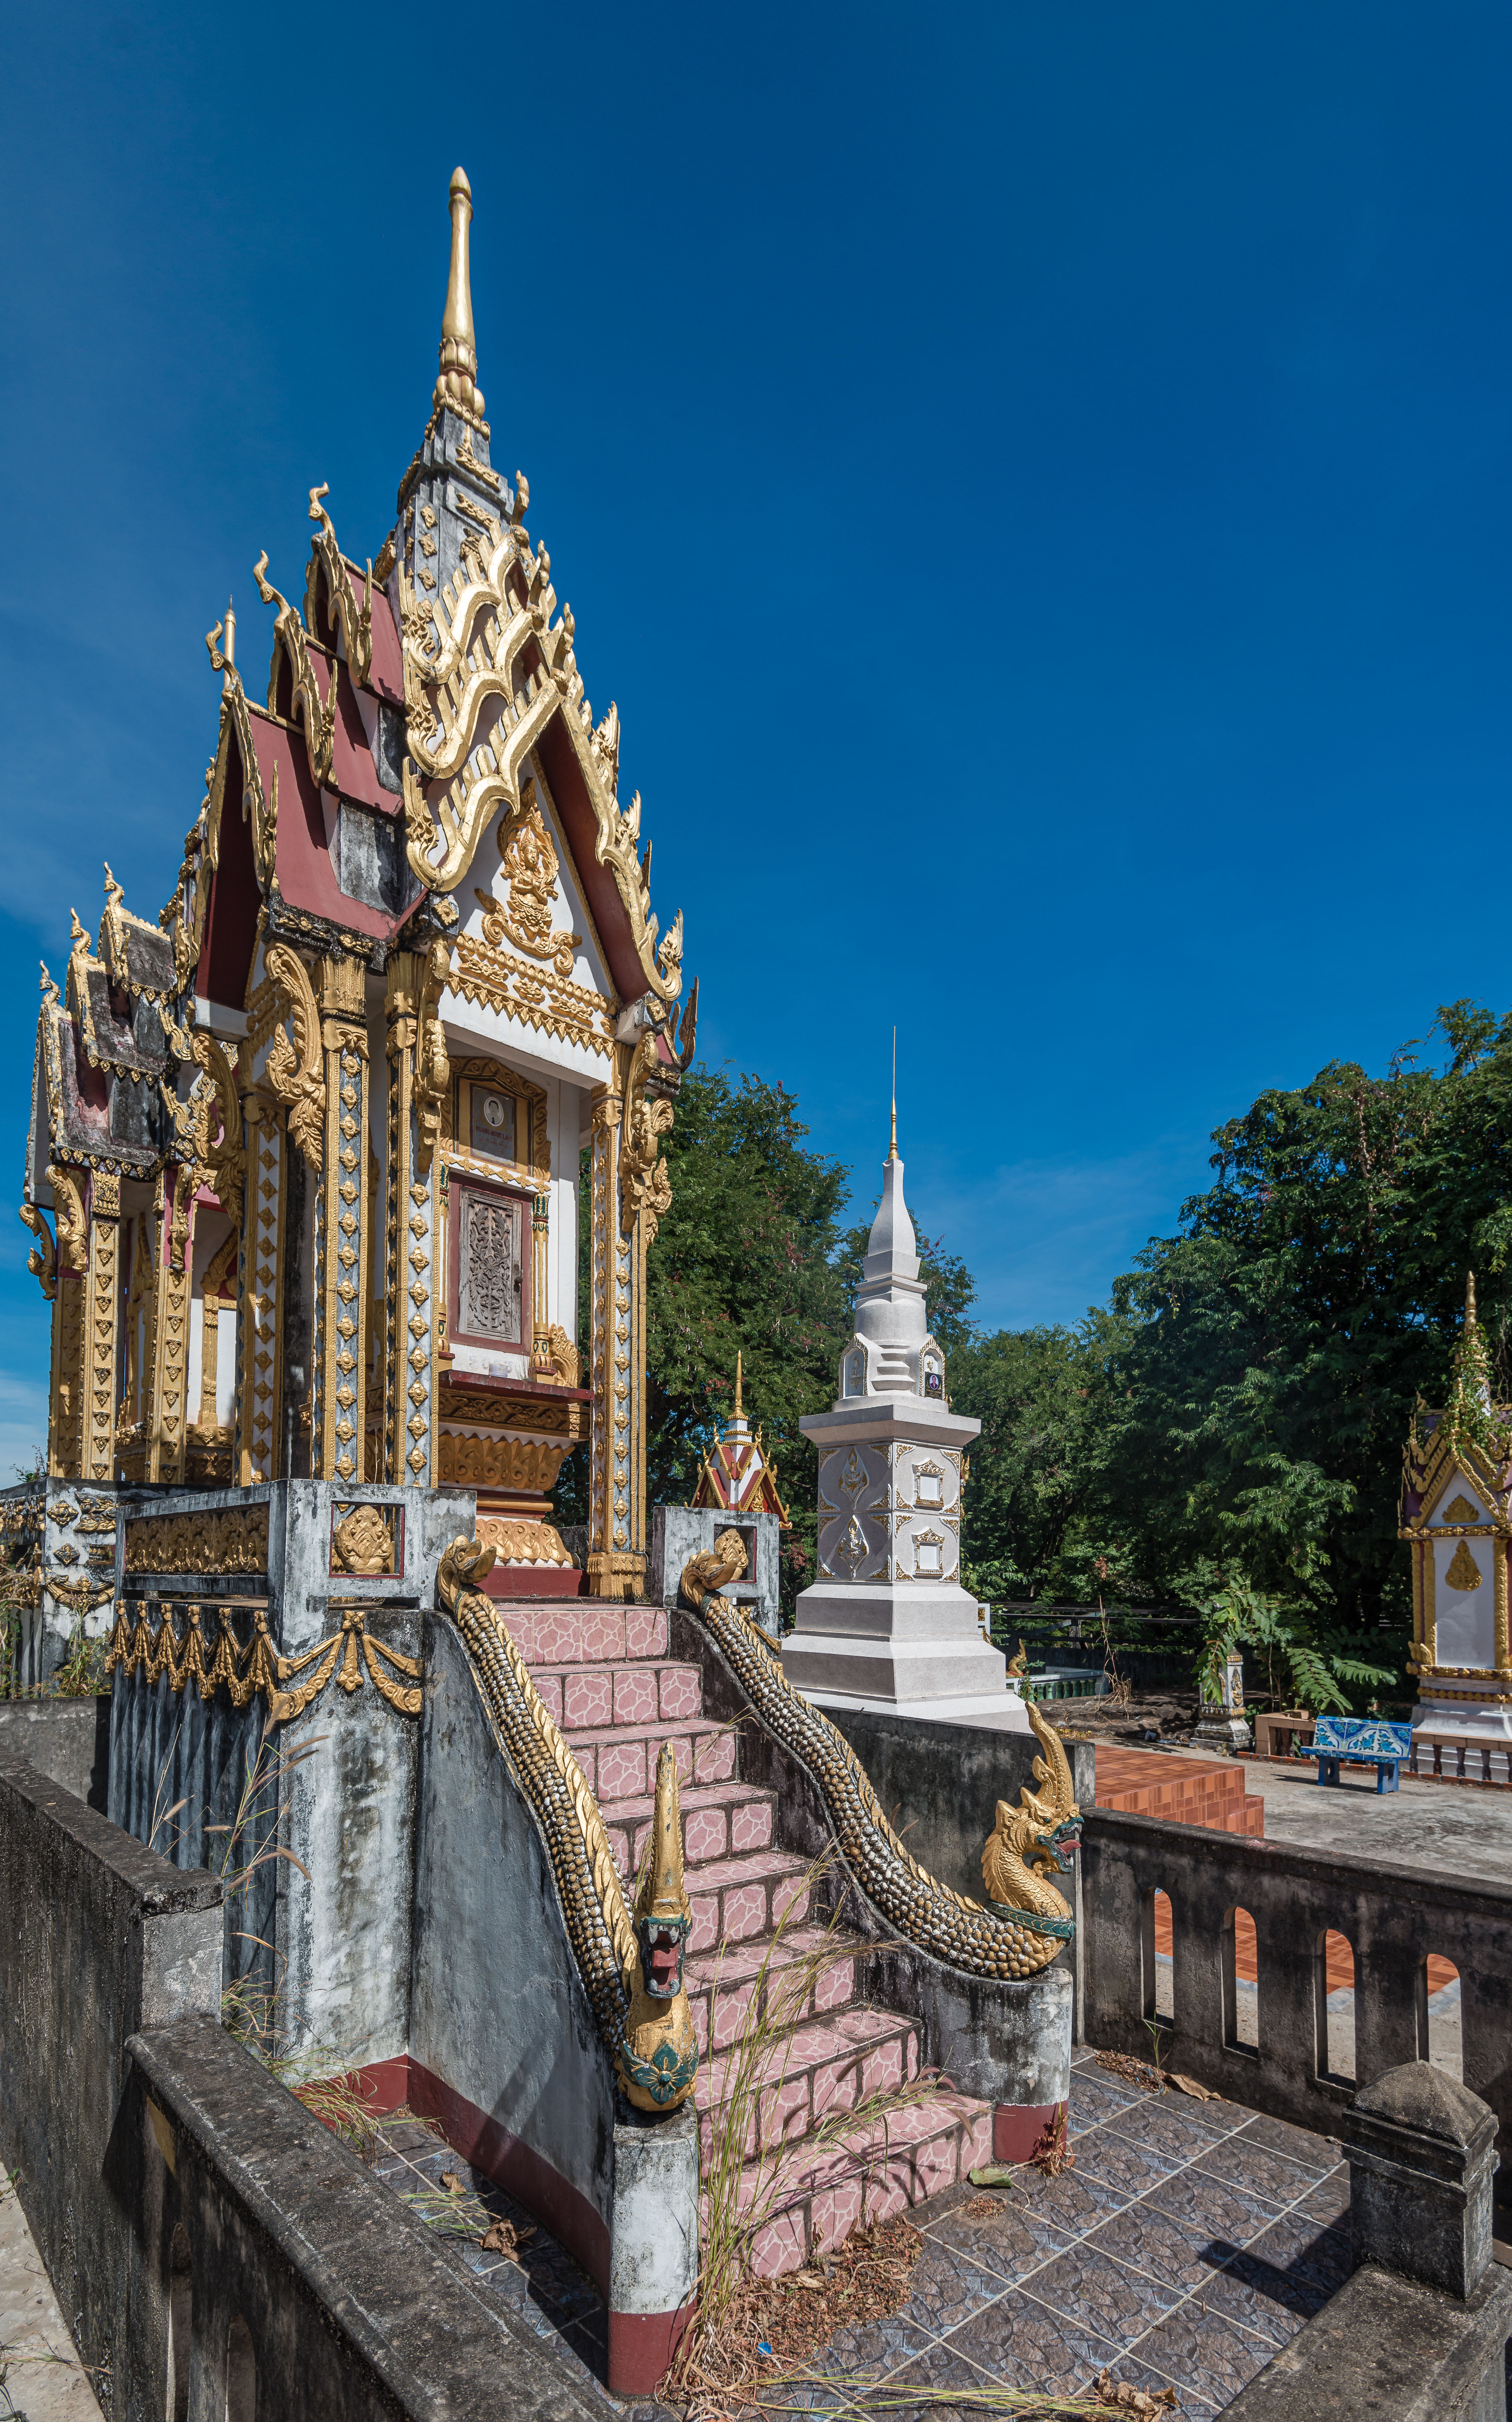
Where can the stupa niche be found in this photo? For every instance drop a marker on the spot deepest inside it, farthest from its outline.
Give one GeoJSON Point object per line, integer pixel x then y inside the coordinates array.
{"type": "Point", "coordinates": [887, 1624]}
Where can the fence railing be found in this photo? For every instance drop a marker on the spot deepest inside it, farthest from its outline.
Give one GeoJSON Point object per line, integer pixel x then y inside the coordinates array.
{"type": "Point", "coordinates": [1397, 1933]}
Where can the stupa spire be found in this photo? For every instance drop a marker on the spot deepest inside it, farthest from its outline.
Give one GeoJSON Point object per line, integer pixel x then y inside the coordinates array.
{"type": "Point", "coordinates": [892, 1147]}
{"type": "Point", "coordinates": [458, 351]}
{"type": "Point", "coordinates": [740, 1408]}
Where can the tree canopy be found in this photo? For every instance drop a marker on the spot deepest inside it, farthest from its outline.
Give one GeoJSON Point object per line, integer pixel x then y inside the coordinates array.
{"type": "Point", "coordinates": [1232, 1419]}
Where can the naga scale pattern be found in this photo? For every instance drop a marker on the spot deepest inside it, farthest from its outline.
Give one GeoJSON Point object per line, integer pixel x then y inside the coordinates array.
{"type": "Point", "coordinates": [923, 1912]}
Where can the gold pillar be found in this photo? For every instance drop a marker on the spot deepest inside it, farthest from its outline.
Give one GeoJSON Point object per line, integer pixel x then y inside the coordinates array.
{"type": "Point", "coordinates": [261, 1297]}
{"type": "Point", "coordinates": [101, 1320]}
{"type": "Point", "coordinates": [411, 1297]}
{"type": "Point", "coordinates": [65, 1409]}
{"type": "Point", "coordinates": [338, 1379]}
{"type": "Point", "coordinates": [166, 1410]}
{"type": "Point", "coordinates": [631, 1191]}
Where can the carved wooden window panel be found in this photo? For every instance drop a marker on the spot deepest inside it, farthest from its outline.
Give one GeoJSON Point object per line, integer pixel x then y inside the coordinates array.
{"type": "Point", "coordinates": [489, 1297]}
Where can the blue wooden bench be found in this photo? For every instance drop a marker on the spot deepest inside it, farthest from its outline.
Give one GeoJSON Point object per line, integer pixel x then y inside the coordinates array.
{"type": "Point", "coordinates": [1366, 1741]}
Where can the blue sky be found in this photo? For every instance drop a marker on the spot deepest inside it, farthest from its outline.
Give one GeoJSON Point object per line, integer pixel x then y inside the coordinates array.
{"type": "Point", "coordinates": [1034, 480]}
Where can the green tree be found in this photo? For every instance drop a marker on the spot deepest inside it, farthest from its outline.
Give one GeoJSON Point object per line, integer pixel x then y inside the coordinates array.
{"type": "Point", "coordinates": [744, 1262]}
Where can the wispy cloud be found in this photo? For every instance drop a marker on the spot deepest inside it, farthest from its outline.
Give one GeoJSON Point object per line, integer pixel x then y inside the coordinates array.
{"type": "Point", "coordinates": [1045, 1239]}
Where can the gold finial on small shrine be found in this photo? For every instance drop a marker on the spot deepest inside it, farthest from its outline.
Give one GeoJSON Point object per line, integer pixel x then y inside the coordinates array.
{"type": "Point", "coordinates": [892, 1149]}
{"type": "Point", "coordinates": [459, 352]}
{"type": "Point", "coordinates": [1469, 1298]}
{"type": "Point", "coordinates": [740, 1408]}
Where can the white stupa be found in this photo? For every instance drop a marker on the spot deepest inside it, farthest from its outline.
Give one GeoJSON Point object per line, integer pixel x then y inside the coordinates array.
{"type": "Point", "coordinates": [887, 1624]}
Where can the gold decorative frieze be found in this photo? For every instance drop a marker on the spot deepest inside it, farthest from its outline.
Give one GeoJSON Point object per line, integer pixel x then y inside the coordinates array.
{"type": "Point", "coordinates": [262, 1298]}
{"type": "Point", "coordinates": [550, 1003]}
{"type": "Point", "coordinates": [97, 1514]}
{"type": "Point", "coordinates": [82, 1597]}
{"type": "Point", "coordinates": [259, 1666]}
{"type": "Point", "coordinates": [522, 1543]}
{"type": "Point", "coordinates": [99, 1327]}
{"type": "Point", "coordinates": [231, 1542]}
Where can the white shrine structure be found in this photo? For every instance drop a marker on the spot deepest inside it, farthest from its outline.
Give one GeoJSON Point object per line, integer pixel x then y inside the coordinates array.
{"type": "Point", "coordinates": [887, 1625]}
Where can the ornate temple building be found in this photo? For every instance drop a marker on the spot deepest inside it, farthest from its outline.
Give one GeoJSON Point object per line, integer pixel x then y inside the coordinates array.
{"type": "Point", "coordinates": [1456, 1518]}
{"type": "Point", "coordinates": [309, 1141]}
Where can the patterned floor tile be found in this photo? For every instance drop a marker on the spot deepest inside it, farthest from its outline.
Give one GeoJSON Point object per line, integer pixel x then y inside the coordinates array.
{"type": "Point", "coordinates": [1255, 2172]}
{"type": "Point", "coordinates": [1204, 2353]}
{"type": "Point", "coordinates": [1305, 2250]}
{"type": "Point", "coordinates": [1298, 2144]}
{"type": "Point", "coordinates": [1116, 2168]}
{"type": "Point", "coordinates": [1149, 2240]}
{"type": "Point", "coordinates": [1116, 2303]}
{"type": "Point", "coordinates": [1330, 2199]}
{"type": "Point", "coordinates": [952, 2280]}
{"type": "Point", "coordinates": [1255, 2294]}
{"type": "Point", "coordinates": [1212, 2208]}
{"type": "Point", "coordinates": [873, 2350]}
{"type": "Point", "coordinates": [1010, 2240]}
{"type": "Point", "coordinates": [1095, 2097]}
{"type": "Point", "coordinates": [1020, 2343]}
{"type": "Point", "coordinates": [1177, 2128]}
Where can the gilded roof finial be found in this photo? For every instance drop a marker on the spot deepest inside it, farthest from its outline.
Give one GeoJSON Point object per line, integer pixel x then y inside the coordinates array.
{"type": "Point", "coordinates": [77, 937]}
{"type": "Point", "coordinates": [458, 354]}
{"type": "Point", "coordinates": [1469, 1298]}
{"type": "Point", "coordinates": [892, 1148]}
{"type": "Point", "coordinates": [740, 1408]}
{"type": "Point", "coordinates": [1469, 1418]}
{"type": "Point", "coordinates": [50, 991]}
{"type": "Point", "coordinates": [114, 894]}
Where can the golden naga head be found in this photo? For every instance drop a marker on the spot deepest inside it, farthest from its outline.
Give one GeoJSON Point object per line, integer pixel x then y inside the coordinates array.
{"type": "Point", "coordinates": [1042, 1833]}
{"type": "Point", "coordinates": [659, 2059]}
{"type": "Point", "coordinates": [705, 1575]}
{"type": "Point", "coordinates": [465, 1565]}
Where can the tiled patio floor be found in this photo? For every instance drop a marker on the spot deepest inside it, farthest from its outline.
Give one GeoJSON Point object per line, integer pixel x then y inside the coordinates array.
{"type": "Point", "coordinates": [1191, 2241]}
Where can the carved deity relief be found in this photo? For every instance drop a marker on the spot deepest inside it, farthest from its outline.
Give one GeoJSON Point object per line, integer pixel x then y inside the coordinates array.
{"type": "Point", "coordinates": [489, 1274]}
{"type": "Point", "coordinates": [362, 1542]}
{"type": "Point", "coordinates": [529, 864]}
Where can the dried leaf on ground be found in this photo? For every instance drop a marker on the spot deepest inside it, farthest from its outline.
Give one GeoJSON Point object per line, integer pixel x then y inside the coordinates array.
{"type": "Point", "coordinates": [504, 2238]}
{"type": "Point", "coordinates": [1053, 2153]}
{"type": "Point", "coordinates": [869, 2280]}
{"type": "Point", "coordinates": [1124, 2398]}
{"type": "Point", "coordinates": [981, 2208]}
{"type": "Point", "coordinates": [452, 2183]}
{"type": "Point", "coordinates": [1137, 2072]}
{"type": "Point", "coordinates": [1190, 2085]}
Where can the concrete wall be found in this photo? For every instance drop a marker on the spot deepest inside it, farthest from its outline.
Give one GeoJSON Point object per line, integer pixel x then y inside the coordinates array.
{"type": "Point", "coordinates": [98, 1939]}
{"type": "Point", "coordinates": [1392, 1918]}
{"type": "Point", "coordinates": [498, 2014]}
{"type": "Point", "coordinates": [678, 1532]}
{"type": "Point", "coordinates": [66, 1740]}
{"type": "Point", "coordinates": [352, 2309]}
{"type": "Point", "coordinates": [329, 1923]}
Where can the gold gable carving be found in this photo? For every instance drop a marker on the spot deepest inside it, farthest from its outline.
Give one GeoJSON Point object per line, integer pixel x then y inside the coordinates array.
{"type": "Point", "coordinates": [1459, 1511]}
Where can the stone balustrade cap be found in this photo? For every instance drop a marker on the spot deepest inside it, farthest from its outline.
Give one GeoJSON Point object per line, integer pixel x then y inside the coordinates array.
{"type": "Point", "coordinates": [1421, 2098]}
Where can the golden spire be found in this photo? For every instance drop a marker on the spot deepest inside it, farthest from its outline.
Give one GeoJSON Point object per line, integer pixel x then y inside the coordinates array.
{"type": "Point", "coordinates": [458, 354]}
{"type": "Point", "coordinates": [892, 1149]}
{"type": "Point", "coordinates": [740, 1408]}
{"type": "Point", "coordinates": [1469, 1298]}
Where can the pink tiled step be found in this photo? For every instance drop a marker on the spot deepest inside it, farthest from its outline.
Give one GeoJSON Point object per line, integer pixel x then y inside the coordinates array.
{"type": "Point", "coordinates": [736, 1899]}
{"type": "Point", "coordinates": [584, 1698]}
{"type": "Point", "coordinates": [561, 1631]}
{"type": "Point", "coordinates": [822, 2067]}
{"type": "Point", "coordinates": [731, 1979]}
{"type": "Point", "coordinates": [620, 1760]}
{"type": "Point", "coordinates": [720, 1820]}
{"type": "Point", "coordinates": [864, 2176]}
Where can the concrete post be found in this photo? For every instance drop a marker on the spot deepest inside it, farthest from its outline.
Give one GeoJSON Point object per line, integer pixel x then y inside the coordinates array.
{"type": "Point", "coordinates": [653, 2245]}
{"type": "Point", "coordinates": [1422, 2156]}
